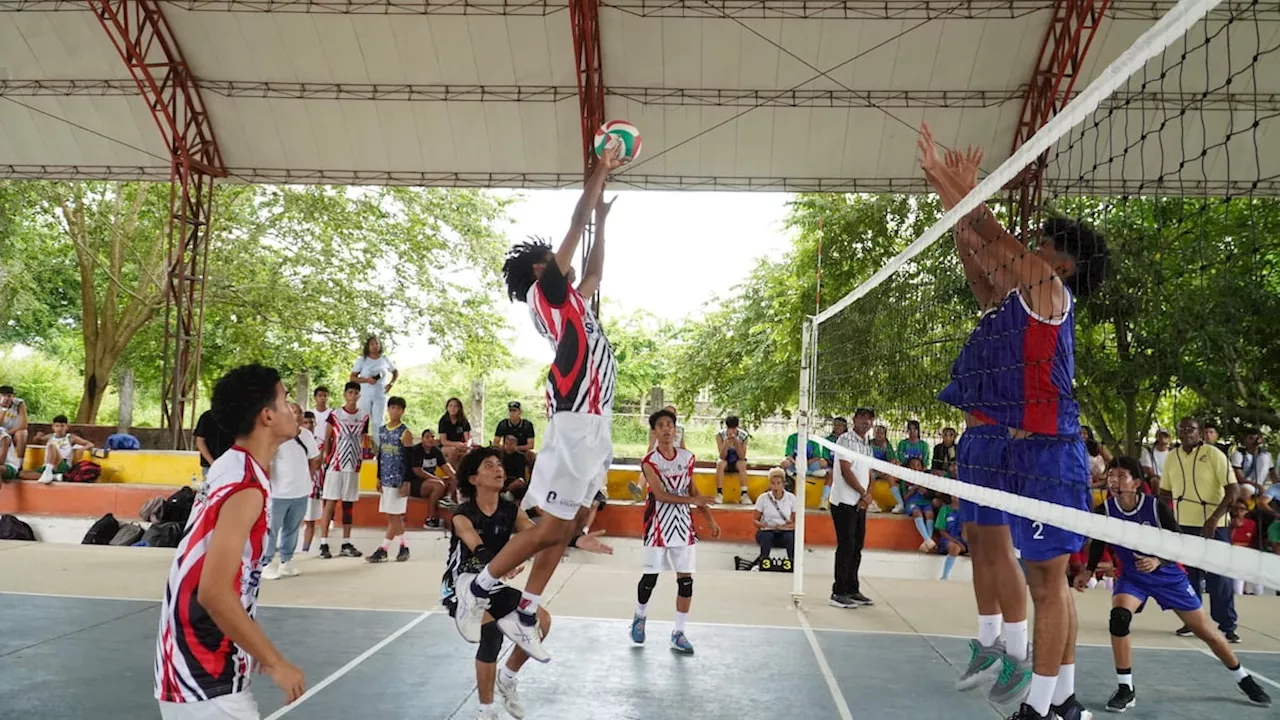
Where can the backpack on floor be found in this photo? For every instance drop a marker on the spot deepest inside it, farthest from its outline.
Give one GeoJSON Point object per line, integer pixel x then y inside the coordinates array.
{"type": "Point", "coordinates": [11, 528]}
{"type": "Point", "coordinates": [102, 530]}
{"type": "Point", "coordinates": [83, 472]}
{"type": "Point", "coordinates": [128, 534]}
{"type": "Point", "coordinates": [177, 507]}
{"type": "Point", "coordinates": [163, 534]}
{"type": "Point", "coordinates": [151, 509]}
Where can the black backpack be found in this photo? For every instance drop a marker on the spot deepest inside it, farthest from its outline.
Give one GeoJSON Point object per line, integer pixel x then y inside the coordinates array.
{"type": "Point", "coordinates": [102, 531]}
{"type": "Point", "coordinates": [11, 528]}
{"type": "Point", "coordinates": [177, 507]}
{"type": "Point", "coordinates": [163, 534]}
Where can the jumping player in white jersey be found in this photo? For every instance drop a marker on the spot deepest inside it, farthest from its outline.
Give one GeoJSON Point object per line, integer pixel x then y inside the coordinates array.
{"type": "Point", "coordinates": [209, 640]}
{"type": "Point", "coordinates": [669, 535]}
{"type": "Point", "coordinates": [577, 448]}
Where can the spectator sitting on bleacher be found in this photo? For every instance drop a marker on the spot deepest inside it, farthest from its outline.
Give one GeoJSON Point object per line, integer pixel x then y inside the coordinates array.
{"type": "Point", "coordinates": [944, 454]}
{"type": "Point", "coordinates": [1252, 464]}
{"type": "Point", "coordinates": [516, 465]}
{"type": "Point", "coordinates": [775, 519]}
{"type": "Point", "coordinates": [731, 442]}
{"type": "Point", "coordinates": [13, 420]}
{"type": "Point", "coordinates": [9, 463]}
{"type": "Point", "coordinates": [817, 464]}
{"type": "Point", "coordinates": [62, 451]}
{"type": "Point", "coordinates": [515, 425]}
{"type": "Point", "coordinates": [882, 449]}
{"type": "Point", "coordinates": [428, 461]}
{"type": "Point", "coordinates": [919, 504]}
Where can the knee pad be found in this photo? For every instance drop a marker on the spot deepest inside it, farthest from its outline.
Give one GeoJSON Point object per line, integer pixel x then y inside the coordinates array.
{"type": "Point", "coordinates": [347, 514]}
{"type": "Point", "coordinates": [645, 589]}
{"type": "Point", "coordinates": [490, 643]}
{"type": "Point", "coordinates": [684, 587]}
{"type": "Point", "coordinates": [1120, 619]}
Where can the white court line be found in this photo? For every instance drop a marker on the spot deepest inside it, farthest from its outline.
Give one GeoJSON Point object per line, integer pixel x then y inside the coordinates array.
{"type": "Point", "coordinates": [335, 675]}
{"type": "Point", "coordinates": [841, 706]}
{"type": "Point", "coordinates": [1252, 672]}
{"type": "Point", "coordinates": [285, 606]}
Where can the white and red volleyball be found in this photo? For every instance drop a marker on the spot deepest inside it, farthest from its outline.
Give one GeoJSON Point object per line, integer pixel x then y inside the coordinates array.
{"type": "Point", "coordinates": [618, 132]}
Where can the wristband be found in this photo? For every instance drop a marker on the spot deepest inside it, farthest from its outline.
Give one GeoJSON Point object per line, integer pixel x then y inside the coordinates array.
{"type": "Point", "coordinates": [483, 554]}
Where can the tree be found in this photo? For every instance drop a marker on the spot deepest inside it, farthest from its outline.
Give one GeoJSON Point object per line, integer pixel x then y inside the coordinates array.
{"type": "Point", "coordinates": [642, 344]}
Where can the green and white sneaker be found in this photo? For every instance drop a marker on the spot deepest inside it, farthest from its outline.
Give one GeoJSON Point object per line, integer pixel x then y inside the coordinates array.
{"type": "Point", "coordinates": [984, 664]}
{"type": "Point", "coordinates": [1013, 682]}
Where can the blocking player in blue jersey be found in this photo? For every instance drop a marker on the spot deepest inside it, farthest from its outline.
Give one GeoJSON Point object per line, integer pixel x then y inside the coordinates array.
{"type": "Point", "coordinates": [1143, 577]}
{"type": "Point", "coordinates": [1013, 379]}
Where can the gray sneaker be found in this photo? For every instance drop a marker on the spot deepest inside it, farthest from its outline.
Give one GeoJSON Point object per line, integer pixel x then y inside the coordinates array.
{"type": "Point", "coordinates": [1013, 682]}
{"type": "Point", "coordinates": [984, 664]}
{"type": "Point", "coordinates": [842, 601]}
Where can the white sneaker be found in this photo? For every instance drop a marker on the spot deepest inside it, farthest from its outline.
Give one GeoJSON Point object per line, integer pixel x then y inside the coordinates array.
{"type": "Point", "coordinates": [897, 510]}
{"type": "Point", "coordinates": [288, 570]}
{"type": "Point", "coordinates": [874, 507]}
{"type": "Point", "coordinates": [528, 637]}
{"type": "Point", "coordinates": [46, 477]}
{"type": "Point", "coordinates": [489, 713]}
{"type": "Point", "coordinates": [744, 498]}
{"type": "Point", "coordinates": [510, 696]}
{"type": "Point", "coordinates": [272, 571]}
{"type": "Point", "coordinates": [469, 615]}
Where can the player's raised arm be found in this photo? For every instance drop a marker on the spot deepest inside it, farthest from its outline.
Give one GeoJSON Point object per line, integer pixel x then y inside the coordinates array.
{"type": "Point", "coordinates": [594, 268]}
{"type": "Point", "coordinates": [610, 160]}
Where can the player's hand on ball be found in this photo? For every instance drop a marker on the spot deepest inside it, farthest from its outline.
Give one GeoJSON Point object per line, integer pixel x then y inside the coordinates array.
{"type": "Point", "coordinates": [519, 569]}
{"type": "Point", "coordinates": [611, 158]}
{"type": "Point", "coordinates": [1146, 564]}
{"type": "Point", "coordinates": [592, 543]}
{"type": "Point", "coordinates": [288, 678]}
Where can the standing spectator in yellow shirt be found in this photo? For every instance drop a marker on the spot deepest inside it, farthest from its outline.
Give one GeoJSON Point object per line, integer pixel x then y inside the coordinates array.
{"type": "Point", "coordinates": [1200, 482]}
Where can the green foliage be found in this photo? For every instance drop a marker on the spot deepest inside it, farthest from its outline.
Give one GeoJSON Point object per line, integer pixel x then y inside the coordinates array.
{"type": "Point", "coordinates": [642, 345]}
{"type": "Point", "coordinates": [48, 385]}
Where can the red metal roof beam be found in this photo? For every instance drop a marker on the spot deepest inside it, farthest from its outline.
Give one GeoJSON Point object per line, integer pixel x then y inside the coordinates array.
{"type": "Point", "coordinates": [584, 19]}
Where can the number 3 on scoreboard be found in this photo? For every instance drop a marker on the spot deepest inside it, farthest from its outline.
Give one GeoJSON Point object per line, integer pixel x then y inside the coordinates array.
{"type": "Point", "coordinates": [1039, 530]}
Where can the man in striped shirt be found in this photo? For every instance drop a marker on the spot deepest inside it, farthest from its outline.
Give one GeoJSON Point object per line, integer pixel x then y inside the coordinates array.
{"type": "Point", "coordinates": [577, 448]}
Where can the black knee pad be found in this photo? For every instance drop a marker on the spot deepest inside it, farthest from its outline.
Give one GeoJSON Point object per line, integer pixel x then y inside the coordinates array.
{"type": "Point", "coordinates": [1120, 619]}
{"type": "Point", "coordinates": [645, 590]}
{"type": "Point", "coordinates": [490, 643]}
{"type": "Point", "coordinates": [684, 587]}
{"type": "Point", "coordinates": [347, 514]}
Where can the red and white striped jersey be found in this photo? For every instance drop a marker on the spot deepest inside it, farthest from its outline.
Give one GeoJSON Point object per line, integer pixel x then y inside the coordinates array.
{"type": "Point", "coordinates": [194, 660]}
{"type": "Point", "coordinates": [584, 373]}
{"type": "Point", "coordinates": [348, 430]}
{"type": "Point", "coordinates": [669, 524]}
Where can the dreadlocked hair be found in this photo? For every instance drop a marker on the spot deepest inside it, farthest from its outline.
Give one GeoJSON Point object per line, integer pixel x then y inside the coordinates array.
{"type": "Point", "coordinates": [518, 268]}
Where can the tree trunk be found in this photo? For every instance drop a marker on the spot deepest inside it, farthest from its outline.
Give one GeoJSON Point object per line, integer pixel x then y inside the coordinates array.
{"type": "Point", "coordinates": [1130, 439]}
{"type": "Point", "coordinates": [125, 422]}
{"type": "Point", "coordinates": [97, 376]}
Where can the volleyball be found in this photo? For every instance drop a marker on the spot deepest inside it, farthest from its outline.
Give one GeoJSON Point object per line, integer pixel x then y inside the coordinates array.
{"type": "Point", "coordinates": [619, 131]}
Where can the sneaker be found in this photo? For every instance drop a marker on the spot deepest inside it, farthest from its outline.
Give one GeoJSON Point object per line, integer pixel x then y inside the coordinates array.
{"type": "Point", "coordinates": [636, 492]}
{"type": "Point", "coordinates": [288, 570]}
{"type": "Point", "coordinates": [744, 498]}
{"type": "Point", "coordinates": [1070, 709]}
{"type": "Point", "coordinates": [519, 630]}
{"type": "Point", "coordinates": [637, 630]}
{"type": "Point", "coordinates": [46, 477]}
{"type": "Point", "coordinates": [1232, 637]}
{"type": "Point", "coordinates": [378, 556]}
{"type": "Point", "coordinates": [448, 503]}
{"type": "Point", "coordinates": [1122, 699]}
{"type": "Point", "coordinates": [874, 507]}
{"type": "Point", "coordinates": [403, 554]}
{"type": "Point", "coordinates": [719, 498]}
{"type": "Point", "coordinates": [897, 510]}
{"type": "Point", "coordinates": [680, 643]}
{"type": "Point", "coordinates": [433, 523]}
{"type": "Point", "coordinates": [860, 599]}
{"type": "Point", "coordinates": [984, 664]}
{"type": "Point", "coordinates": [1256, 694]}
{"type": "Point", "coordinates": [1012, 683]}
{"type": "Point", "coordinates": [349, 550]}
{"type": "Point", "coordinates": [468, 616]}
{"type": "Point", "coordinates": [272, 571]}
{"type": "Point", "coordinates": [1183, 631]}
{"type": "Point", "coordinates": [510, 696]}
{"type": "Point", "coordinates": [842, 601]}
{"type": "Point", "coordinates": [824, 506]}
{"type": "Point", "coordinates": [489, 713]}
{"type": "Point", "coordinates": [324, 552]}
{"type": "Point", "coordinates": [1026, 712]}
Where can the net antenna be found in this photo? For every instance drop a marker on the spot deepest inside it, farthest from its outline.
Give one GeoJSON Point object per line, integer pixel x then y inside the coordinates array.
{"type": "Point", "coordinates": [1106, 148]}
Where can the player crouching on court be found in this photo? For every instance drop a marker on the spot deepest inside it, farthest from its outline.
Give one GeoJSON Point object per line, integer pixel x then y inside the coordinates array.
{"type": "Point", "coordinates": [1143, 577]}
{"type": "Point", "coordinates": [395, 442]}
{"type": "Point", "coordinates": [669, 536]}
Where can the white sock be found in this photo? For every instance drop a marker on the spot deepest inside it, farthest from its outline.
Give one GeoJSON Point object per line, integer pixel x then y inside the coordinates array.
{"type": "Point", "coordinates": [642, 610]}
{"type": "Point", "coordinates": [1066, 686]}
{"type": "Point", "coordinates": [680, 618]}
{"type": "Point", "coordinates": [485, 580]}
{"type": "Point", "coordinates": [1015, 636]}
{"type": "Point", "coordinates": [1124, 678]}
{"type": "Point", "coordinates": [324, 542]}
{"type": "Point", "coordinates": [399, 539]}
{"type": "Point", "coordinates": [1040, 696]}
{"type": "Point", "coordinates": [529, 603]}
{"type": "Point", "coordinates": [1239, 673]}
{"type": "Point", "coordinates": [485, 706]}
{"type": "Point", "coordinates": [506, 674]}
{"type": "Point", "coordinates": [988, 629]}
{"type": "Point", "coordinates": [385, 543]}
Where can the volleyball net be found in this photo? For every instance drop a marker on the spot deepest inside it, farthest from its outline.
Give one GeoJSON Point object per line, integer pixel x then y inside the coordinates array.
{"type": "Point", "coordinates": [1159, 180]}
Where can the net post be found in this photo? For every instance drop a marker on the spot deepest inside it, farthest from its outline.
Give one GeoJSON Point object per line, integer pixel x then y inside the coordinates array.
{"type": "Point", "coordinates": [808, 347]}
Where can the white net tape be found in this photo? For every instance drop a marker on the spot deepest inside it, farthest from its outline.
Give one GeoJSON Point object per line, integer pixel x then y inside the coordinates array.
{"type": "Point", "coordinates": [1192, 551]}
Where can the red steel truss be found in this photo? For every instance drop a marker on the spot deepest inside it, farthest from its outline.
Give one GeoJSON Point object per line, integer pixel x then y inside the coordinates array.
{"type": "Point", "coordinates": [147, 46]}
{"type": "Point", "coordinates": [584, 20]}
{"type": "Point", "coordinates": [1062, 52]}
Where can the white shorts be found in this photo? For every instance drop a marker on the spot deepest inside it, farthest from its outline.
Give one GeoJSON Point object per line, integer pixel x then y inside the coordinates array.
{"type": "Point", "coordinates": [237, 706]}
{"type": "Point", "coordinates": [392, 502]}
{"type": "Point", "coordinates": [315, 509]}
{"type": "Point", "coordinates": [340, 485]}
{"type": "Point", "coordinates": [680, 559]}
{"type": "Point", "coordinates": [573, 464]}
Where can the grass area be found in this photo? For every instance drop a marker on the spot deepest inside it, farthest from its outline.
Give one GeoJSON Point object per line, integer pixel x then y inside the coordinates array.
{"type": "Point", "coordinates": [631, 436]}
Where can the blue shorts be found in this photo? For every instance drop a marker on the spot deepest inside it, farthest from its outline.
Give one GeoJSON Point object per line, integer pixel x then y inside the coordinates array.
{"type": "Point", "coordinates": [1168, 586]}
{"type": "Point", "coordinates": [916, 502]}
{"type": "Point", "coordinates": [981, 459]}
{"type": "Point", "coordinates": [1055, 469]}
{"type": "Point", "coordinates": [944, 545]}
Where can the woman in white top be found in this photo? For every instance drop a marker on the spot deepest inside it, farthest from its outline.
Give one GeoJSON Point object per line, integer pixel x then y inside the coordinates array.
{"type": "Point", "coordinates": [775, 518]}
{"type": "Point", "coordinates": [376, 374]}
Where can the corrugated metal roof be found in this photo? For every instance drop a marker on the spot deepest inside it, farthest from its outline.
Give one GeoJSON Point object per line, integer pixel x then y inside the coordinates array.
{"type": "Point", "coordinates": [734, 94]}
